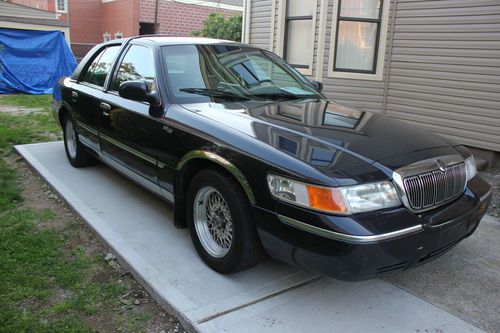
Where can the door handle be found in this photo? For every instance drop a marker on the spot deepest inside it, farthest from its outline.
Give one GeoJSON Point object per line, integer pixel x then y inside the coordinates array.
{"type": "Point", "coordinates": [74, 94]}
{"type": "Point", "coordinates": [105, 107]}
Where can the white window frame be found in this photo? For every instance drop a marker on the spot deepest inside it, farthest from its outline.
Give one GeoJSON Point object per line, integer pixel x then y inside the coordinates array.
{"type": "Point", "coordinates": [106, 37]}
{"type": "Point", "coordinates": [65, 7]}
{"type": "Point", "coordinates": [384, 27]}
{"type": "Point", "coordinates": [282, 34]}
{"type": "Point", "coordinates": [118, 35]}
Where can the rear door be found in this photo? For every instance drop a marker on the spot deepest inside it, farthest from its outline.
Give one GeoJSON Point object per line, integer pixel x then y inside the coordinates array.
{"type": "Point", "coordinates": [87, 94]}
{"type": "Point", "coordinates": [128, 134]}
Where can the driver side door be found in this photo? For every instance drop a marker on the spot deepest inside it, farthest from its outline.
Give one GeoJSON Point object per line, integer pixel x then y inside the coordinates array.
{"type": "Point", "coordinates": [128, 134]}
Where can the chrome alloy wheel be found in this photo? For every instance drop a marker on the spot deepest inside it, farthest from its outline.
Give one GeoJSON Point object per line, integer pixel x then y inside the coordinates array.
{"type": "Point", "coordinates": [70, 135]}
{"type": "Point", "coordinates": [212, 222]}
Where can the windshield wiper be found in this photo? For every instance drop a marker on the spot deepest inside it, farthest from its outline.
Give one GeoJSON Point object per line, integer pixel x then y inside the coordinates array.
{"type": "Point", "coordinates": [213, 93]}
{"type": "Point", "coordinates": [284, 95]}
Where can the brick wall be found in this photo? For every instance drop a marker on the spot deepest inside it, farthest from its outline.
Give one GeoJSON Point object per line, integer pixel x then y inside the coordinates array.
{"type": "Point", "coordinates": [177, 19]}
{"type": "Point", "coordinates": [121, 16]}
{"type": "Point", "coordinates": [85, 21]}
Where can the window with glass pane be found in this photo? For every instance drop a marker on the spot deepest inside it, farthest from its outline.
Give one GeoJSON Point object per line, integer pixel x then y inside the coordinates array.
{"type": "Point", "coordinates": [61, 5]}
{"type": "Point", "coordinates": [98, 71]}
{"type": "Point", "coordinates": [137, 64]}
{"type": "Point", "coordinates": [358, 33]}
{"type": "Point", "coordinates": [298, 32]}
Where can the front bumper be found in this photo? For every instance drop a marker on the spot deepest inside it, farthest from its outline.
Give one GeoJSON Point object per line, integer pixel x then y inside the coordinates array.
{"type": "Point", "coordinates": [364, 246]}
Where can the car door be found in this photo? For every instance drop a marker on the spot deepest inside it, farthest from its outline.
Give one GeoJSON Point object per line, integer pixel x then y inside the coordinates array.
{"type": "Point", "coordinates": [87, 93]}
{"type": "Point", "coordinates": [128, 134]}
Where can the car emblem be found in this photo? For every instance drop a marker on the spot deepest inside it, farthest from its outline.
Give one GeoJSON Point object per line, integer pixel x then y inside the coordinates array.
{"type": "Point", "coordinates": [441, 165]}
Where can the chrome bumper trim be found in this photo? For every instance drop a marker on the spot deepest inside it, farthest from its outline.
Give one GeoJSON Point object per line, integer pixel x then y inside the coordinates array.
{"type": "Point", "coordinates": [345, 237]}
{"type": "Point", "coordinates": [486, 195]}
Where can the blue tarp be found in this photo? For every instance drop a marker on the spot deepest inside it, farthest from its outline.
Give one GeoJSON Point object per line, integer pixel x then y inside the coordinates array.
{"type": "Point", "coordinates": [33, 61]}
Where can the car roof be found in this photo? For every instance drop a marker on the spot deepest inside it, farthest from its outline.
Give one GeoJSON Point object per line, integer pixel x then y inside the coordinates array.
{"type": "Point", "coordinates": [170, 40]}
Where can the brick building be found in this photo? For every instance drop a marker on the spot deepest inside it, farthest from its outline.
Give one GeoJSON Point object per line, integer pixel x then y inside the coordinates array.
{"type": "Point", "coordinates": [95, 21]}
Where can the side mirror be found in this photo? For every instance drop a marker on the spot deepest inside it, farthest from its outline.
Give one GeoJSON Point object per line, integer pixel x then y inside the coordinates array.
{"type": "Point", "coordinates": [138, 91]}
{"type": "Point", "coordinates": [317, 85]}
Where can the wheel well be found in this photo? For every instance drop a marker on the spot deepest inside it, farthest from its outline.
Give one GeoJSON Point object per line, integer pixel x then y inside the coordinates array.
{"type": "Point", "coordinates": [183, 179]}
{"type": "Point", "coordinates": [61, 114]}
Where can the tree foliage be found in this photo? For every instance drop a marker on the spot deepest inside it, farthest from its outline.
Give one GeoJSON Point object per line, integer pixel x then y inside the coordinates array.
{"type": "Point", "coordinates": [220, 27]}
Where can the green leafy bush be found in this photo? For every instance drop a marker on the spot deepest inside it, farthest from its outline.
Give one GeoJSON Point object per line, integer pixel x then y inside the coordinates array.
{"type": "Point", "coordinates": [220, 27]}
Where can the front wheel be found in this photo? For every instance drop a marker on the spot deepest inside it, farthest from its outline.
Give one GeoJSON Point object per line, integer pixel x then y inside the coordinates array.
{"type": "Point", "coordinates": [77, 155]}
{"type": "Point", "coordinates": [220, 224]}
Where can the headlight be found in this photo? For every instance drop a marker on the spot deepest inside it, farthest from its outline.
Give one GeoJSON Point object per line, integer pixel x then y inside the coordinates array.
{"type": "Point", "coordinates": [337, 200]}
{"type": "Point", "coordinates": [470, 167]}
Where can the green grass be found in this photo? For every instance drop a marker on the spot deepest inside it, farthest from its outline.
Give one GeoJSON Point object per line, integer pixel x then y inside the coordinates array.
{"type": "Point", "coordinates": [20, 129]}
{"type": "Point", "coordinates": [28, 101]}
{"type": "Point", "coordinates": [38, 264]}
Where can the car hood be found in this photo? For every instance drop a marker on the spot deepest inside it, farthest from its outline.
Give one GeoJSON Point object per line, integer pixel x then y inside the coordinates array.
{"type": "Point", "coordinates": [327, 135]}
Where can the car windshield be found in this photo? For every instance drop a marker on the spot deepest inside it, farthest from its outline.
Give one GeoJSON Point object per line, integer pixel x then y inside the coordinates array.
{"type": "Point", "coordinates": [200, 73]}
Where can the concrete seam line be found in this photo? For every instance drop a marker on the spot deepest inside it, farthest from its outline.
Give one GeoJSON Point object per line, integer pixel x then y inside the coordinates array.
{"type": "Point", "coordinates": [279, 292]}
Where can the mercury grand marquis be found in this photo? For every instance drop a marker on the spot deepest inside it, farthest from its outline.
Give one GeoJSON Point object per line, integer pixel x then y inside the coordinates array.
{"type": "Point", "coordinates": [255, 159]}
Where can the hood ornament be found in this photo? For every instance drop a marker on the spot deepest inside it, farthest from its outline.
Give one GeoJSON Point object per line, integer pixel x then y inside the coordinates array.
{"type": "Point", "coordinates": [441, 165]}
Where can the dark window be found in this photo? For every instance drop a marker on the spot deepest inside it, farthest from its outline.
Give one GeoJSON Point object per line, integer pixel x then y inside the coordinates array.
{"type": "Point", "coordinates": [298, 33]}
{"type": "Point", "coordinates": [146, 28]}
{"type": "Point", "coordinates": [138, 64]}
{"type": "Point", "coordinates": [99, 68]}
{"type": "Point", "coordinates": [357, 36]}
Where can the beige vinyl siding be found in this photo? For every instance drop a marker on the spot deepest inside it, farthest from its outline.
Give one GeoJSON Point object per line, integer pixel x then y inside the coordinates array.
{"type": "Point", "coordinates": [13, 10]}
{"type": "Point", "coordinates": [441, 70]}
{"type": "Point", "coordinates": [445, 69]}
{"type": "Point", "coordinates": [260, 23]}
{"type": "Point", "coordinates": [362, 94]}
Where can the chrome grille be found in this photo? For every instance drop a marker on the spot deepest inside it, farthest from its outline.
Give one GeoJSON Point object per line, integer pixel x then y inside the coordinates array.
{"type": "Point", "coordinates": [432, 188]}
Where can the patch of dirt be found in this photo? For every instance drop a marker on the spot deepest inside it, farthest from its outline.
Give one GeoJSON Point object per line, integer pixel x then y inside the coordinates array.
{"type": "Point", "coordinates": [38, 195]}
{"type": "Point", "coordinates": [493, 177]}
{"type": "Point", "coordinates": [18, 110]}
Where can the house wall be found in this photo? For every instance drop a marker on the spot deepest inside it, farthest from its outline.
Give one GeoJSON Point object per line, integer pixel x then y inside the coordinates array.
{"type": "Point", "coordinates": [445, 69]}
{"type": "Point", "coordinates": [441, 65]}
{"type": "Point", "coordinates": [26, 12]}
{"type": "Point", "coordinates": [38, 4]}
{"type": "Point", "coordinates": [260, 23]}
{"type": "Point", "coordinates": [120, 16]}
{"type": "Point", "coordinates": [178, 19]}
{"type": "Point", "coordinates": [86, 18]}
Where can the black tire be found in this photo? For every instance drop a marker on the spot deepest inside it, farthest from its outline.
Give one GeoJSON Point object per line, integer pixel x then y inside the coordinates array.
{"type": "Point", "coordinates": [78, 156]}
{"type": "Point", "coordinates": [245, 250]}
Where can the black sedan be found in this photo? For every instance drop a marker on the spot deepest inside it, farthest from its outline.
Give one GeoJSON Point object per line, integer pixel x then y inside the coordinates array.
{"type": "Point", "coordinates": [255, 159]}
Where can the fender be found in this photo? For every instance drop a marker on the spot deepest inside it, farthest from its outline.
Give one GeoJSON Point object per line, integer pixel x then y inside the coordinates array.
{"type": "Point", "coordinates": [201, 154]}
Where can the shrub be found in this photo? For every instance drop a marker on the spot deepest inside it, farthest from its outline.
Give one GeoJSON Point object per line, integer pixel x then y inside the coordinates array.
{"type": "Point", "coordinates": [220, 27]}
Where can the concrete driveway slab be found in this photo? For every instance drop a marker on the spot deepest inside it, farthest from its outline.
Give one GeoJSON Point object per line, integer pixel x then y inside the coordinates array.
{"type": "Point", "coordinates": [270, 297]}
{"type": "Point", "coordinates": [334, 306]}
{"type": "Point", "coordinates": [464, 281]}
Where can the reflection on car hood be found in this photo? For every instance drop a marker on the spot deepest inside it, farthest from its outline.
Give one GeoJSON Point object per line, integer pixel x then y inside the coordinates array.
{"type": "Point", "coordinates": [320, 132]}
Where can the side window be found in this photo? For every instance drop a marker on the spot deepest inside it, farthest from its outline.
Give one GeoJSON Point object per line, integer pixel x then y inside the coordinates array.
{"type": "Point", "coordinates": [100, 67]}
{"type": "Point", "coordinates": [138, 64]}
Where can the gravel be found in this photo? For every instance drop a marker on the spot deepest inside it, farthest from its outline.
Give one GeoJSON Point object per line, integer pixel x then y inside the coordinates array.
{"type": "Point", "coordinates": [493, 177]}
